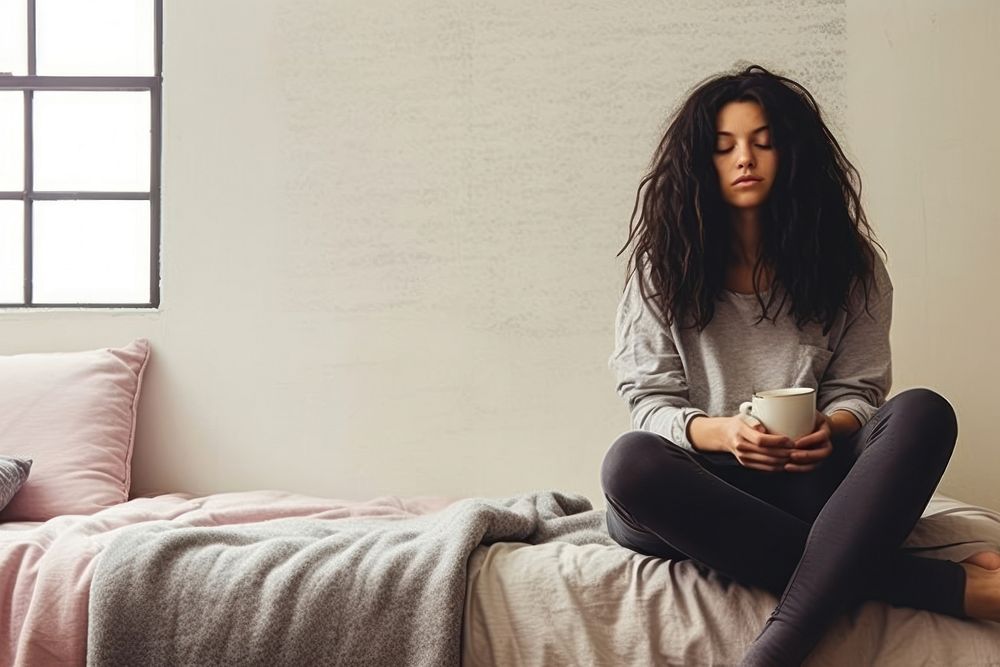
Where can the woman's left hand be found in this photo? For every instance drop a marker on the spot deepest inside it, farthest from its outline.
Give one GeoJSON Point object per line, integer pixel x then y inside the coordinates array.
{"type": "Point", "coordinates": [811, 449]}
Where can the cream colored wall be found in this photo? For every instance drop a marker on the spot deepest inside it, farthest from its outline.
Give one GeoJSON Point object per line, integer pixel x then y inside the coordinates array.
{"type": "Point", "coordinates": [922, 100]}
{"type": "Point", "coordinates": [390, 230]}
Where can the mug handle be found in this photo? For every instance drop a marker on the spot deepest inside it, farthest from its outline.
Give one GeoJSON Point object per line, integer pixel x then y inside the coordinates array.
{"type": "Point", "coordinates": [745, 408]}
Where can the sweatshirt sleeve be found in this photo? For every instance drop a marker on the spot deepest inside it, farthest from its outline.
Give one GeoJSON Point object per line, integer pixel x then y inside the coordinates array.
{"type": "Point", "coordinates": [649, 371]}
{"type": "Point", "coordinates": [859, 374]}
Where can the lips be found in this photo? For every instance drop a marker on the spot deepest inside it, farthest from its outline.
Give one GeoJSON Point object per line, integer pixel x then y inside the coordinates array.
{"type": "Point", "coordinates": [746, 179]}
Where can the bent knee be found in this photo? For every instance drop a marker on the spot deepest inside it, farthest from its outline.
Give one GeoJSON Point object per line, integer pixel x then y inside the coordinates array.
{"type": "Point", "coordinates": [929, 414]}
{"type": "Point", "coordinates": [929, 406]}
{"type": "Point", "coordinates": [635, 456]}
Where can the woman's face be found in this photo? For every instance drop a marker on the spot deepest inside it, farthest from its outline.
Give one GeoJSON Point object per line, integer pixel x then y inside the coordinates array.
{"type": "Point", "coordinates": [743, 147]}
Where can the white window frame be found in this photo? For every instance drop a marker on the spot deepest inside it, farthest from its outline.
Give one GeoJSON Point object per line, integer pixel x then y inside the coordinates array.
{"type": "Point", "coordinates": [28, 195]}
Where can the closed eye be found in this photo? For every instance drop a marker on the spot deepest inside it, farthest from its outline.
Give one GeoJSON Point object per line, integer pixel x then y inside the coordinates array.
{"type": "Point", "coordinates": [764, 146]}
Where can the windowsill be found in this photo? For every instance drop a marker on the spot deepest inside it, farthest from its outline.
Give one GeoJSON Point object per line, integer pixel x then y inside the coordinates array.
{"type": "Point", "coordinates": [15, 310]}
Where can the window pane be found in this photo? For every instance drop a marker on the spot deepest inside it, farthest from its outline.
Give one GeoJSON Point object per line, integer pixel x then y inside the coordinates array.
{"type": "Point", "coordinates": [11, 251]}
{"type": "Point", "coordinates": [91, 252]}
{"type": "Point", "coordinates": [14, 36]}
{"type": "Point", "coordinates": [11, 140]}
{"type": "Point", "coordinates": [92, 141]}
{"type": "Point", "coordinates": [95, 38]}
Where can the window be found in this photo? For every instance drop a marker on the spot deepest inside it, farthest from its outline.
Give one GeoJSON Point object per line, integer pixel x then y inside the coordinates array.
{"type": "Point", "coordinates": [80, 109]}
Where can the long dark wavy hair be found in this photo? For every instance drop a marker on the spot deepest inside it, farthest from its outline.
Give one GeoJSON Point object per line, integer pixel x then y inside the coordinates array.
{"type": "Point", "coordinates": [813, 232]}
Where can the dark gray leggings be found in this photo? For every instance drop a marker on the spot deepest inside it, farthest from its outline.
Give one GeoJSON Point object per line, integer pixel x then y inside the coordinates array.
{"type": "Point", "coordinates": [822, 540]}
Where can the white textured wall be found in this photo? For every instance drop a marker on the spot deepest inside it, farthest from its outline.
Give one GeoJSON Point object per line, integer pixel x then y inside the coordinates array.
{"type": "Point", "coordinates": [390, 229]}
{"type": "Point", "coordinates": [922, 120]}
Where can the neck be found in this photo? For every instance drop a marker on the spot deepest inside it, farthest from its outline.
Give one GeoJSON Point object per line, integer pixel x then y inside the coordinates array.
{"type": "Point", "coordinates": [745, 224]}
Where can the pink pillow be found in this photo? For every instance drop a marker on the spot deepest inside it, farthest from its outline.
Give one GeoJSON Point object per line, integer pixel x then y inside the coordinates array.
{"type": "Point", "coordinates": [74, 414]}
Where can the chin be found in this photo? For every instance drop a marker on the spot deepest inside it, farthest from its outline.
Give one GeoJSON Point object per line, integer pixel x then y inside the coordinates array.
{"type": "Point", "coordinates": [746, 203]}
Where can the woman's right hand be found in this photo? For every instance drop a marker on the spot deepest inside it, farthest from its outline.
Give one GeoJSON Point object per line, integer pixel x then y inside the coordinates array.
{"type": "Point", "coordinates": [753, 446]}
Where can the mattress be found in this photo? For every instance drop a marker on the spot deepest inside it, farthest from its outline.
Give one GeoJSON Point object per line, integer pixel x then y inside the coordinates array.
{"type": "Point", "coordinates": [553, 603]}
{"type": "Point", "coordinates": [566, 604]}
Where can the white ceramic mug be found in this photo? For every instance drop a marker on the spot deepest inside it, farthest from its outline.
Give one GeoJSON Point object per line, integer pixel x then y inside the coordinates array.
{"type": "Point", "coordinates": [790, 412]}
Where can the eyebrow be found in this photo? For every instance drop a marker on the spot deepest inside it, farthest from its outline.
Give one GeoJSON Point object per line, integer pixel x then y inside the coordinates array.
{"type": "Point", "coordinates": [762, 127]}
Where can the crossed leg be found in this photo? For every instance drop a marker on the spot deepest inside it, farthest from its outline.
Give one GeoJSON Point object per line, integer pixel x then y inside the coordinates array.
{"type": "Point", "coordinates": [835, 547]}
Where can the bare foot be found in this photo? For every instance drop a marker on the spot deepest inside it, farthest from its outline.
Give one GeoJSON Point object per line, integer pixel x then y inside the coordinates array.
{"type": "Point", "coordinates": [987, 559]}
{"type": "Point", "coordinates": [982, 591]}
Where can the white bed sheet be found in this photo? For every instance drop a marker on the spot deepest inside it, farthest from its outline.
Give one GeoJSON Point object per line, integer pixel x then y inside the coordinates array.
{"type": "Point", "coordinates": [564, 604]}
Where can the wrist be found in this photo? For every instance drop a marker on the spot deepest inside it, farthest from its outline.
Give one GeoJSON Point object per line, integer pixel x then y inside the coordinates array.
{"type": "Point", "coordinates": [842, 423]}
{"type": "Point", "coordinates": [701, 434]}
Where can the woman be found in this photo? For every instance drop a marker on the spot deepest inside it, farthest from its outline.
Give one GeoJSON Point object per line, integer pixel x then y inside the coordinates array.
{"type": "Point", "coordinates": [751, 206]}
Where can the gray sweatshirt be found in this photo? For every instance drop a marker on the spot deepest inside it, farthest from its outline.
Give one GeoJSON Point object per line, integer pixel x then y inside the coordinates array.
{"type": "Point", "coordinates": [668, 377]}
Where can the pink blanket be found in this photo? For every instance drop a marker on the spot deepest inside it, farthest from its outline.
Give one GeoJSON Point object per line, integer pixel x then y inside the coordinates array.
{"type": "Point", "coordinates": [46, 568]}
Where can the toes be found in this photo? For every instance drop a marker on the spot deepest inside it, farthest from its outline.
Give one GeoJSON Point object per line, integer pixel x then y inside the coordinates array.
{"type": "Point", "coordinates": [985, 559]}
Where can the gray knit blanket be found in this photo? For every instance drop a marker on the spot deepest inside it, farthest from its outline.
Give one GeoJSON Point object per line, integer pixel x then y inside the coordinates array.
{"type": "Point", "coordinates": [351, 591]}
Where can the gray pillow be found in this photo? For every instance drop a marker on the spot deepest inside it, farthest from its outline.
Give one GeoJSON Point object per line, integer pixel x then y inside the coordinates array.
{"type": "Point", "coordinates": [13, 475]}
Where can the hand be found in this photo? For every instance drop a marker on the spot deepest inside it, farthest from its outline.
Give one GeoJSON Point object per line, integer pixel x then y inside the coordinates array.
{"type": "Point", "coordinates": [811, 449]}
{"type": "Point", "coordinates": [753, 446]}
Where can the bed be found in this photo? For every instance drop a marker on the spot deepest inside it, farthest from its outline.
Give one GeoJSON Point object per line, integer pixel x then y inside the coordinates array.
{"type": "Point", "coordinates": [90, 575]}
{"type": "Point", "coordinates": [576, 599]}
{"type": "Point", "coordinates": [606, 605]}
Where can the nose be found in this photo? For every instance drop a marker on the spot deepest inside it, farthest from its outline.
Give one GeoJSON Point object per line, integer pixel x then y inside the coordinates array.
{"type": "Point", "coordinates": [745, 159]}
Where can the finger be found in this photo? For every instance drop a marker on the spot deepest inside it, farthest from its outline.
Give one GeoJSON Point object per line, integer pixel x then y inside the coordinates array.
{"type": "Point", "coordinates": [762, 458]}
{"type": "Point", "coordinates": [809, 440]}
{"type": "Point", "coordinates": [771, 452]}
{"type": "Point", "coordinates": [809, 455]}
{"type": "Point", "coordinates": [793, 467]}
{"type": "Point", "coordinates": [769, 440]}
{"type": "Point", "coordinates": [803, 442]}
{"type": "Point", "coordinates": [761, 467]}
{"type": "Point", "coordinates": [802, 458]}
{"type": "Point", "coordinates": [818, 451]}
{"type": "Point", "coordinates": [809, 445]}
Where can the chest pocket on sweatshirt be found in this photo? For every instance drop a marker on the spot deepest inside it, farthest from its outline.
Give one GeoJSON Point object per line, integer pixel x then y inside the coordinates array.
{"type": "Point", "coordinates": [812, 363]}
